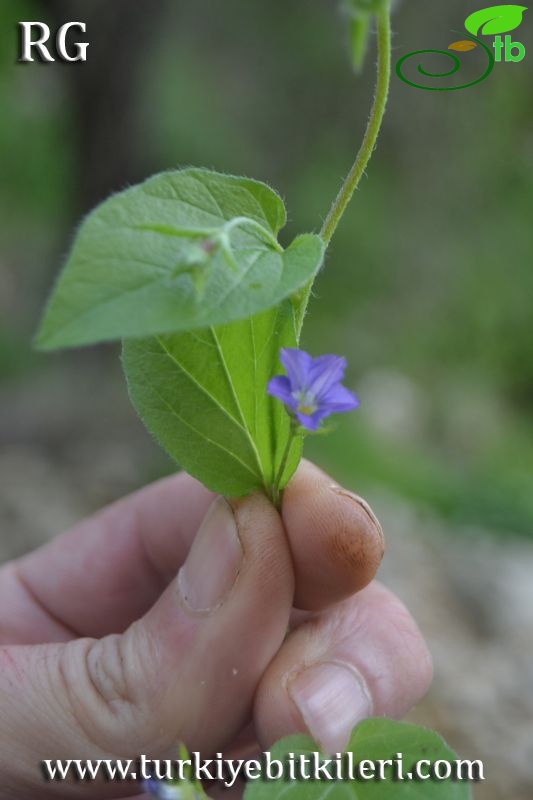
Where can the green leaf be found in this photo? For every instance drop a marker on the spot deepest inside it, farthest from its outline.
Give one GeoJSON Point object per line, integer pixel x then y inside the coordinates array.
{"type": "Point", "coordinates": [364, 6]}
{"type": "Point", "coordinates": [360, 13]}
{"type": "Point", "coordinates": [203, 396]}
{"type": "Point", "coordinates": [496, 19]}
{"type": "Point", "coordinates": [373, 739]}
{"type": "Point", "coordinates": [359, 33]}
{"type": "Point", "coordinates": [184, 250]}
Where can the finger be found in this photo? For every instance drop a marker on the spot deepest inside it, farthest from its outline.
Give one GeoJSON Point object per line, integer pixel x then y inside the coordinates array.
{"type": "Point", "coordinates": [365, 657]}
{"type": "Point", "coordinates": [186, 671]}
{"type": "Point", "coordinates": [336, 541]}
{"type": "Point", "coordinates": [107, 570]}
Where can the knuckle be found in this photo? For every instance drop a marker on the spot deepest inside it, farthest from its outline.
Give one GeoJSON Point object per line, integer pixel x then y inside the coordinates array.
{"type": "Point", "coordinates": [95, 677]}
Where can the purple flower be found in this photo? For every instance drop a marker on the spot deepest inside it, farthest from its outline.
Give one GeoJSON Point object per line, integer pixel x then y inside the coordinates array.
{"type": "Point", "coordinates": [162, 790]}
{"type": "Point", "coordinates": [312, 388]}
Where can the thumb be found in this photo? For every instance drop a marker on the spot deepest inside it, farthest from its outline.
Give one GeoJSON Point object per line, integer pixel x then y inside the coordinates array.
{"type": "Point", "coordinates": [187, 671]}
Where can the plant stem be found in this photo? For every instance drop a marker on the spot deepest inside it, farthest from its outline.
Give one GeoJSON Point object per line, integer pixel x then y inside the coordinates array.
{"type": "Point", "coordinates": [346, 192]}
{"type": "Point", "coordinates": [372, 131]}
{"type": "Point", "coordinates": [276, 494]}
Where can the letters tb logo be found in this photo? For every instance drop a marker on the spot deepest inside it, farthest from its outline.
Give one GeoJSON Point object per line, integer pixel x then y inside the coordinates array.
{"type": "Point", "coordinates": [513, 51]}
{"type": "Point", "coordinates": [34, 38]}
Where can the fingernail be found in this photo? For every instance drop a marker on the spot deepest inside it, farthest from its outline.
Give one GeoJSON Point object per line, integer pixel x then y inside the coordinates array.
{"type": "Point", "coordinates": [213, 563]}
{"type": "Point", "coordinates": [363, 505]}
{"type": "Point", "coordinates": [332, 697]}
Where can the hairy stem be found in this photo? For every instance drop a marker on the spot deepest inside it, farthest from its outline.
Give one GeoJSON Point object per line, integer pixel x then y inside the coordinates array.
{"type": "Point", "coordinates": [372, 131]}
{"type": "Point", "coordinates": [276, 493]}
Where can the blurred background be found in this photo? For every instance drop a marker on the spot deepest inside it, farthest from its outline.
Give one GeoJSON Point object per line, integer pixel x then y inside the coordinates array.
{"type": "Point", "coordinates": [428, 292]}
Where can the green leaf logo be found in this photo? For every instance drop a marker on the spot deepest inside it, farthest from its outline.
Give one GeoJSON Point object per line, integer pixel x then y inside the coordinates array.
{"type": "Point", "coordinates": [494, 20]}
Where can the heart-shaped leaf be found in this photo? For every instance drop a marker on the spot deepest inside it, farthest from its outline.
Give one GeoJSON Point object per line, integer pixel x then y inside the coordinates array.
{"type": "Point", "coordinates": [496, 19]}
{"type": "Point", "coordinates": [463, 46]}
{"type": "Point", "coordinates": [203, 396]}
{"type": "Point", "coordinates": [184, 250]}
{"type": "Point", "coordinates": [375, 740]}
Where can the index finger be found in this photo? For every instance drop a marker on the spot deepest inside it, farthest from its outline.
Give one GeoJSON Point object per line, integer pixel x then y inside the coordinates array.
{"type": "Point", "coordinates": [108, 569]}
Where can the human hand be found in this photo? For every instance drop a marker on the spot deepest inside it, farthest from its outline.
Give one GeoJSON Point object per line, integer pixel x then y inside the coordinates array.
{"type": "Point", "coordinates": [107, 654]}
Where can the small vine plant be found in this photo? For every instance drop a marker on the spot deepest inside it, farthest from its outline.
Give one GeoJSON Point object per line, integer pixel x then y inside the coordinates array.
{"type": "Point", "coordinates": [187, 271]}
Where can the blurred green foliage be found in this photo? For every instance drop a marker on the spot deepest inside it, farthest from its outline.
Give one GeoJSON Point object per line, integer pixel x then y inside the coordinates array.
{"type": "Point", "coordinates": [34, 133]}
{"type": "Point", "coordinates": [429, 278]}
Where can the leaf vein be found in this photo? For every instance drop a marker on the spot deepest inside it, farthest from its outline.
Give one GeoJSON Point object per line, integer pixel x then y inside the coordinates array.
{"type": "Point", "coordinates": [202, 434]}
{"type": "Point", "coordinates": [201, 387]}
{"type": "Point", "coordinates": [236, 398]}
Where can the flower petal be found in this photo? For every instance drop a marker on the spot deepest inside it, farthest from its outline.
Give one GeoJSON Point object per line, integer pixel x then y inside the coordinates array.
{"type": "Point", "coordinates": [280, 387]}
{"type": "Point", "coordinates": [298, 364]}
{"type": "Point", "coordinates": [312, 388]}
{"type": "Point", "coordinates": [312, 421]}
{"type": "Point", "coordinates": [326, 371]}
{"type": "Point", "coordinates": [162, 790]}
{"type": "Point", "coordinates": [338, 399]}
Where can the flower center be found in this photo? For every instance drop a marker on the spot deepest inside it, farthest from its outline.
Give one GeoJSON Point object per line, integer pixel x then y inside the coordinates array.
{"type": "Point", "coordinates": [306, 403]}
